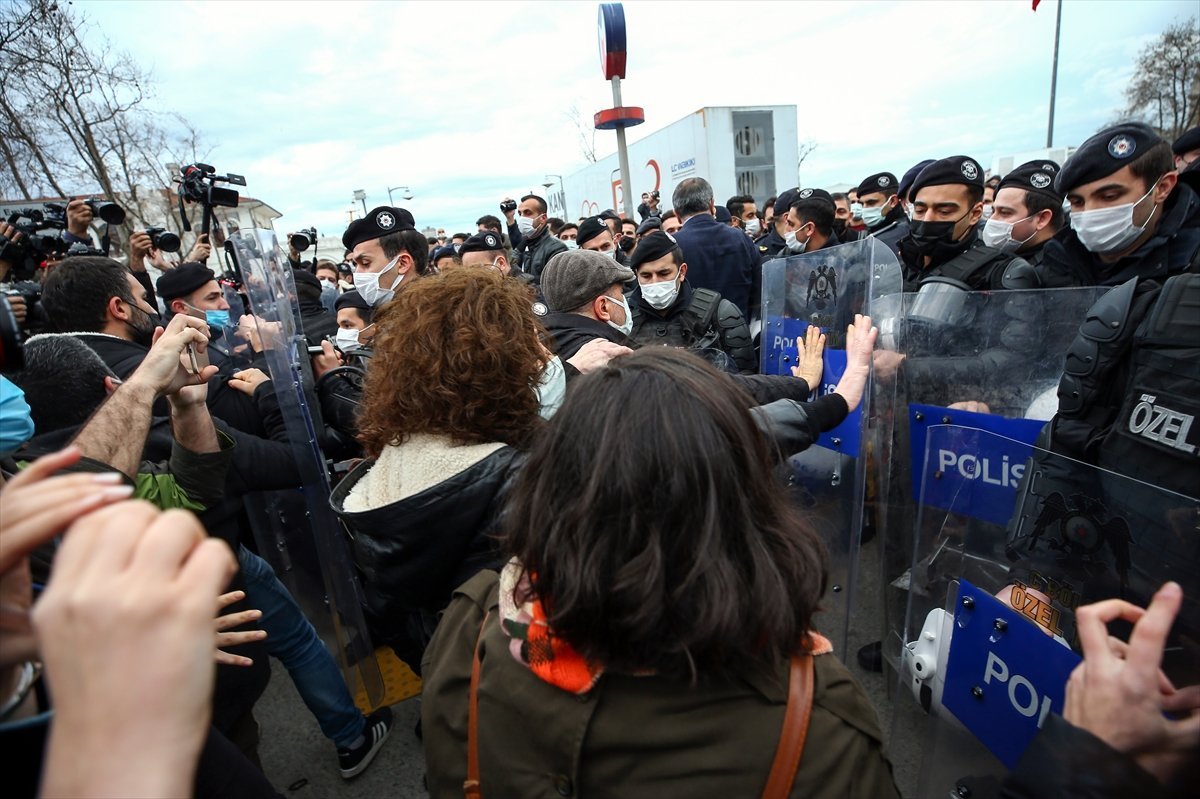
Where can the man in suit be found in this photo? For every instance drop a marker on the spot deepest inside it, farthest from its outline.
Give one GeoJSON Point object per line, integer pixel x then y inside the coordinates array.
{"type": "Point", "coordinates": [719, 257]}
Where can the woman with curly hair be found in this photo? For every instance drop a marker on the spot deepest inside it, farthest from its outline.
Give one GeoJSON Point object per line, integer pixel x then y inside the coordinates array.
{"type": "Point", "coordinates": [449, 400]}
{"type": "Point", "coordinates": [653, 633]}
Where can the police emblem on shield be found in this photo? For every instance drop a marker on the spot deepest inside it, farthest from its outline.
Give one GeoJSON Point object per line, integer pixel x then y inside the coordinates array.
{"type": "Point", "coordinates": [805, 194]}
{"type": "Point", "coordinates": [1121, 146]}
{"type": "Point", "coordinates": [969, 170]}
{"type": "Point", "coordinates": [1039, 180]}
{"type": "Point", "coordinates": [385, 220]}
{"type": "Point", "coordinates": [822, 287]}
{"type": "Point", "coordinates": [883, 180]}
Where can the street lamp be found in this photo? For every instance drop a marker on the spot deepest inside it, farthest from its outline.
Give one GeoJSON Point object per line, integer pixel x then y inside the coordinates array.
{"type": "Point", "coordinates": [361, 196]}
{"type": "Point", "coordinates": [550, 183]}
{"type": "Point", "coordinates": [407, 195]}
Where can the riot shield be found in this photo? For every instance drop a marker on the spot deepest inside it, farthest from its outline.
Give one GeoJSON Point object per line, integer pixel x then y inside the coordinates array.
{"type": "Point", "coordinates": [830, 480]}
{"type": "Point", "coordinates": [990, 360]}
{"type": "Point", "coordinates": [1010, 540]}
{"type": "Point", "coordinates": [297, 531]}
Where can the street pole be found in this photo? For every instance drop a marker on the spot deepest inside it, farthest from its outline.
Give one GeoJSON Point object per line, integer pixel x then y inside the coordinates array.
{"type": "Point", "coordinates": [1054, 76]}
{"type": "Point", "coordinates": [623, 155]}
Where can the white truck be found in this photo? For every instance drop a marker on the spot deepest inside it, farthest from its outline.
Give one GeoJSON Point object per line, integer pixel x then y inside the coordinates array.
{"type": "Point", "coordinates": [738, 149]}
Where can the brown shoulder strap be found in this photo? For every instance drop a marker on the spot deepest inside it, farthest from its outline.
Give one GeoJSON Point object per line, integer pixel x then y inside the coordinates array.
{"type": "Point", "coordinates": [471, 789]}
{"type": "Point", "coordinates": [795, 728]}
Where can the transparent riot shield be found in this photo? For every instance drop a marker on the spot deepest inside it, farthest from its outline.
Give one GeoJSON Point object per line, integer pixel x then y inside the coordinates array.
{"type": "Point", "coordinates": [830, 480]}
{"type": "Point", "coordinates": [989, 360]}
{"type": "Point", "coordinates": [297, 532]}
{"type": "Point", "coordinates": [1010, 541]}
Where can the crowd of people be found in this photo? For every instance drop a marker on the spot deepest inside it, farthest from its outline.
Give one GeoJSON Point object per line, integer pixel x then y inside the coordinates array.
{"type": "Point", "coordinates": [553, 461]}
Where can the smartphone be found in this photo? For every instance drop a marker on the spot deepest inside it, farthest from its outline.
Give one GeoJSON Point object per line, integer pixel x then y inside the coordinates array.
{"type": "Point", "coordinates": [199, 359]}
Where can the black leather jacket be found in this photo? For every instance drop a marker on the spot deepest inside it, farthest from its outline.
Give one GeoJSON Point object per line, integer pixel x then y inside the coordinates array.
{"type": "Point", "coordinates": [413, 553]}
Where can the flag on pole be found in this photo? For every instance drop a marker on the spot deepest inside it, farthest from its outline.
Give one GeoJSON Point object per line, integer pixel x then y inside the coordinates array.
{"type": "Point", "coordinates": [1035, 4]}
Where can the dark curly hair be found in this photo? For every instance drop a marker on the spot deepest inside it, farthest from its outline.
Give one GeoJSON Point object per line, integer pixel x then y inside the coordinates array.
{"type": "Point", "coordinates": [659, 539]}
{"type": "Point", "coordinates": [457, 354]}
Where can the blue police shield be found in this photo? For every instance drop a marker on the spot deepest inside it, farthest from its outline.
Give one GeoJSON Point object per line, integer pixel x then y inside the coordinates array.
{"type": "Point", "coordinates": [1010, 541]}
{"type": "Point", "coordinates": [989, 360]}
{"type": "Point", "coordinates": [832, 480]}
{"type": "Point", "coordinates": [297, 531]}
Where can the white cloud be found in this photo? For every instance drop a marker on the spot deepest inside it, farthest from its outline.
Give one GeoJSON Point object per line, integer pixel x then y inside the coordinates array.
{"type": "Point", "coordinates": [466, 102]}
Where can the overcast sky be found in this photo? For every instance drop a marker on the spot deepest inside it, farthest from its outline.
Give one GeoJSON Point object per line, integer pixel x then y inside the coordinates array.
{"type": "Point", "coordinates": [467, 102]}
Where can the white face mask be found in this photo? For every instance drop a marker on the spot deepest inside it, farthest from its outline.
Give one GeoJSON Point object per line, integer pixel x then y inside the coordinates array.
{"type": "Point", "coordinates": [328, 284]}
{"type": "Point", "coordinates": [988, 210]}
{"type": "Point", "coordinates": [753, 227]}
{"type": "Point", "coordinates": [610, 254]}
{"type": "Point", "coordinates": [660, 295]}
{"type": "Point", "coordinates": [367, 284]}
{"type": "Point", "coordinates": [627, 327]}
{"type": "Point", "coordinates": [525, 225]}
{"type": "Point", "coordinates": [999, 235]}
{"type": "Point", "coordinates": [346, 339]}
{"type": "Point", "coordinates": [551, 388]}
{"type": "Point", "coordinates": [793, 242]}
{"type": "Point", "coordinates": [571, 244]}
{"type": "Point", "coordinates": [856, 210]}
{"type": "Point", "coordinates": [872, 216]}
{"type": "Point", "coordinates": [1109, 229]}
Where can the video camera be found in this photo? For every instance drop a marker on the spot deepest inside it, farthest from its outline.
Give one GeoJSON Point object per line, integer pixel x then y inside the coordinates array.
{"type": "Point", "coordinates": [42, 240]}
{"type": "Point", "coordinates": [197, 184]}
{"type": "Point", "coordinates": [301, 240]}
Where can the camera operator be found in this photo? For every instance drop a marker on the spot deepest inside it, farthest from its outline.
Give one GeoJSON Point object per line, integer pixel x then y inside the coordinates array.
{"type": "Point", "coordinates": [649, 205]}
{"type": "Point", "coordinates": [16, 300]}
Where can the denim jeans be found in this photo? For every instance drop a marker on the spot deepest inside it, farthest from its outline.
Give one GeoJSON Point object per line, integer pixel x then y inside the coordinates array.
{"type": "Point", "coordinates": [292, 640]}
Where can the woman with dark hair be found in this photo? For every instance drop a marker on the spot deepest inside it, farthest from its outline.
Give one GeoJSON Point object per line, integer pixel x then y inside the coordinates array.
{"type": "Point", "coordinates": [449, 399]}
{"type": "Point", "coordinates": [652, 631]}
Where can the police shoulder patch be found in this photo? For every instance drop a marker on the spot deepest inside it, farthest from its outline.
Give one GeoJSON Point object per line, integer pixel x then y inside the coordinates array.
{"type": "Point", "coordinates": [1121, 146]}
{"type": "Point", "coordinates": [385, 220]}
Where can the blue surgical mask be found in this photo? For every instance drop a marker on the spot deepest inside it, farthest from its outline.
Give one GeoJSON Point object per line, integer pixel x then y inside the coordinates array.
{"type": "Point", "coordinates": [217, 318]}
{"type": "Point", "coordinates": [16, 423]}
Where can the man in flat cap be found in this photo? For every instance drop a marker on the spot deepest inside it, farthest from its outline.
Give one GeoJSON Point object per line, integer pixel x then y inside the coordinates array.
{"type": "Point", "coordinates": [1129, 215]}
{"type": "Point", "coordinates": [943, 240]}
{"type": "Point", "coordinates": [669, 312]}
{"type": "Point", "coordinates": [386, 249]}
{"type": "Point", "coordinates": [809, 222]}
{"type": "Point", "coordinates": [882, 212]}
{"type": "Point", "coordinates": [585, 300]}
{"type": "Point", "coordinates": [1027, 211]}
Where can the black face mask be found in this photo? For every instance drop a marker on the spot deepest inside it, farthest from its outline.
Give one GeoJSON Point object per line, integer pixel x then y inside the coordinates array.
{"type": "Point", "coordinates": [627, 244]}
{"type": "Point", "coordinates": [929, 237]}
{"type": "Point", "coordinates": [143, 331]}
{"type": "Point", "coordinates": [839, 227]}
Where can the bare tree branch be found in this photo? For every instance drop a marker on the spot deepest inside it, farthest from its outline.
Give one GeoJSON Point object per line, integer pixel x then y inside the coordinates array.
{"type": "Point", "coordinates": [1166, 82]}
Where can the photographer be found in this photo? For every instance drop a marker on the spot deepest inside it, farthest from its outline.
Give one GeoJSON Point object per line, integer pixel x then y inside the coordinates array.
{"type": "Point", "coordinates": [649, 205]}
{"type": "Point", "coordinates": [16, 299]}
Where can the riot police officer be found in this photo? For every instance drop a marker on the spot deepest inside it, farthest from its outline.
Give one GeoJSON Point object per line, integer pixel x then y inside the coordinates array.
{"type": "Point", "coordinates": [1027, 211]}
{"type": "Point", "coordinates": [668, 311]}
{"type": "Point", "coordinates": [1130, 217]}
{"type": "Point", "coordinates": [774, 245]}
{"type": "Point", "coordinates": [943, 250]}
{"type": "Point", "coordinates": [882, 212]}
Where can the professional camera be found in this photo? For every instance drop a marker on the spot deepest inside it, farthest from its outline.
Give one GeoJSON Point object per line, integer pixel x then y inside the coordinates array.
{"type": "Point", "coordinates": [197, 184]}
{"type": "Point", "coordinates": [111, 213]}
{"type": "Point", "coordinates": [163, 239]}
{"type": "Point", "coordinates": [42, 240]}
{"type": "Point", "coordinates": [303, 239]}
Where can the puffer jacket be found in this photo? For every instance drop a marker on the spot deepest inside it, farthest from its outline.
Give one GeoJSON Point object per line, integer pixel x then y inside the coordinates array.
{"type": "Point", "coordinates": [414, 551]}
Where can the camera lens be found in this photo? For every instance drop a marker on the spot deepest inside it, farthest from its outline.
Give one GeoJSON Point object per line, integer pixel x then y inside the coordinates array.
{"type": "Point", "coordinates": [166, 241]}
{"type": "Point", "coordinates": [111, 213]}
{"type": "Point", "coordinates": [299, 242]}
